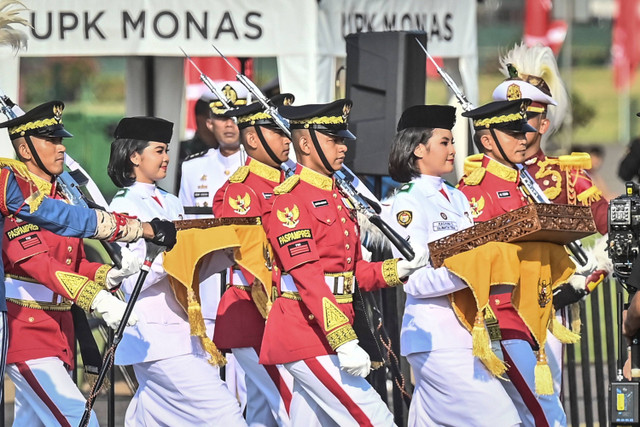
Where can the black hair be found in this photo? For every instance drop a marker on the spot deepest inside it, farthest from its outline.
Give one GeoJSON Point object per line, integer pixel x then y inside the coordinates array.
{"type": "Point", "coordinates": [477, 136]}
{"type": "Point", "coordinates": [629, 167]}
{"type": "Point", "coordinates": [402, 161]}
{"type": "Point", "coordinates": [201, 108]}
{"type": "Point", "coordinates": [120, 168]}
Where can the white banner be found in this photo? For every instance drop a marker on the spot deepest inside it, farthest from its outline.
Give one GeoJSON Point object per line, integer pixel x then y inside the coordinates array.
{"type": "Point", "coordinates": [158, 27]}
{"type": "Point", "coordinates": [450, 25]}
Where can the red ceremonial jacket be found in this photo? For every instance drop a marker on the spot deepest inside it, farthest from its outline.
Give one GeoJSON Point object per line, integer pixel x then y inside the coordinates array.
{"type": "Point", "coordinates": [32, 254]}
{"type": "Point", "coordinates": [492, 190]}
{"type": "Point", "coordinates": [564, 181]}
{"type": "Point", "coordinates": [247, 193]}
{"type": "Point", "coordinates": [314, 231]}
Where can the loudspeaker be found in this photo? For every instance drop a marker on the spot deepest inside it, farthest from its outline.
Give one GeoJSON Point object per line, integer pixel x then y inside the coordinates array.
{"type": "Point", "coordinates": [386, 73]}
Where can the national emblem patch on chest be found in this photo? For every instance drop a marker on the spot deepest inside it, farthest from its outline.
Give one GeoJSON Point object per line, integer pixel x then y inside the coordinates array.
{"type": "Point", "coordinates": [289, 217]}
{"type": "Point", "coordinates": [477, 206]}
{"type": "Point", "coordinates": [240, 205]}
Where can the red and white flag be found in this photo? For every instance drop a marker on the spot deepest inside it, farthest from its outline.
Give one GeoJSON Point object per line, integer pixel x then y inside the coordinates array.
{"type": "Point", "coordinates": [626, 45]}
{"type": "Point", "coordinates": [540, 28]}
{"type": "Point", "coordinates": [217, 70]}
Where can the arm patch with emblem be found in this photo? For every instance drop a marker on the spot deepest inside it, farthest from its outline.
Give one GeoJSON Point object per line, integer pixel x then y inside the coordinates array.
{"type": "Point", "coordinates": [404, 218]}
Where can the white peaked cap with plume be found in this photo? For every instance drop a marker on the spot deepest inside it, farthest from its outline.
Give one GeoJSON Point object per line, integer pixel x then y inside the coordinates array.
{"type": "Point", "coordinates": [539, 61]}
{"type": "Point", "coordinates": [9, 15]}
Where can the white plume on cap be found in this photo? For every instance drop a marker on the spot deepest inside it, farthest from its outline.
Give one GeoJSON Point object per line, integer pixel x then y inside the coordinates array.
{"type": "Point", "coordinates": [539, 61]}
{"type": "Point", "coordinates": [8, 16]}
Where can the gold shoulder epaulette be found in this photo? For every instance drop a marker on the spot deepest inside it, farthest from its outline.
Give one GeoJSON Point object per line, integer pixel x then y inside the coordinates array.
{"type": "Point", "coordinates": [287, 185]}
{"type": "Point", "coordinates": [475, 177]}
{"type": "Point", "coordinates": [240, 174]}
{"type": "Point", "coordinates": [472, 162]}
{"type": "Point", "coordinates": [575, 161]}
{"type": "Point", "coordinates": [17, 166]}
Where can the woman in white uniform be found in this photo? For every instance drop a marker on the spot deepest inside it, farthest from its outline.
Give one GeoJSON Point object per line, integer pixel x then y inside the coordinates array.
{"type": "Point", "coordinates": [452, 388]}
{"type": "Point", "coordinates": [177, 385]}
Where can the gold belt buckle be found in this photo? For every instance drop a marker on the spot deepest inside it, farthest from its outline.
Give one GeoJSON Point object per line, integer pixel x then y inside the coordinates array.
{"type": "Point", "coordinates": [348, 284]}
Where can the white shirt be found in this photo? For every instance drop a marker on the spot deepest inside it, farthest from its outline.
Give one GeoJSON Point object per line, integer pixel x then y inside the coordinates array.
{"type": "Point", "coordinates": [422, 214]}
{"type": "Point", "coordinates": [202, 176]}
{"type": "Point", "coordinates": [163, 329]}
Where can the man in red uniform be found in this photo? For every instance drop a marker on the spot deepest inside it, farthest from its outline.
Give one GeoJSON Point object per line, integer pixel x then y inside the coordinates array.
{"type": "Point", "coordinates": [45, 275]}
{"type": "Point", "coordinates": [316, 240]}
{"type": "Point", "coordinates": [563, 179]}
{"type": "Point", "coordinates": [239, 321]}
{"type": "Point", "coordinates": [493, 188]}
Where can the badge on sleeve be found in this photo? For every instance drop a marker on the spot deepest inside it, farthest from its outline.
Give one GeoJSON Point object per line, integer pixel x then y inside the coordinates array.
{"type": "Point", "coordinates": [289, 217]}
{"type": "Point", "coordinates": [404, 218]}
{"type": "Point", "coordinates": [240, 205]}
{"type": "Point", "coordinates": [333, 316]}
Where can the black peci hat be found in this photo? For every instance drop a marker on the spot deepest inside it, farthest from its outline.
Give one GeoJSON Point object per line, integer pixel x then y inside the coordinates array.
{"type": "Point", "coordinates": [144, 129]}
{"type": "Point", "coordinates": [502, 115]}
{"type": "Point", "coordinates": [428, 116]}
{"type": "Point", "coordinates": [328, 118]}
{"type": "Point", "coordinates": [255, 115]}
{"type": "Point", "coordinates": [45, 120]}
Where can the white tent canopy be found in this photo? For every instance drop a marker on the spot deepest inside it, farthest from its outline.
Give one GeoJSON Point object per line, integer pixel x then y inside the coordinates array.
{"type": "Point", "coordinates": [306, 37]}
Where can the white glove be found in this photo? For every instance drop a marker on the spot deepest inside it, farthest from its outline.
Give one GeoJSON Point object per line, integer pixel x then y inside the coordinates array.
{"type": "Point", "coordinates": [353, 359]}
{"type": "Point", "coordinates": [130, 265]}
{"type": "Point", "coordinates": [111, 309]}
{"type": "Point", "coordinates": [405, 268]}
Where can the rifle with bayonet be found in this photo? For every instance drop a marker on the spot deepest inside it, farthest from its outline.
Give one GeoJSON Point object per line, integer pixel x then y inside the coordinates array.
{"type": "Point", "coordinates": [209, 83]}
{"type": "Point", "coordinates": [528, 183]}
{"type": "Point", "coordinates": [344, 177]}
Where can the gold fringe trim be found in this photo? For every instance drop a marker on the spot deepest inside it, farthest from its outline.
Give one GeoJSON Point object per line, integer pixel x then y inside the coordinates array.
{"type": "Point", "coordinates": [562, 333]}
{"type": "Point", "coordinates": [475, 177]}
{"type": "Point", "coordinates": [240, 174]}
{"type": "Point", "coordinates": [19, 168]}
{"type": "Point", "coordinates": [543, 378]}
{"type": "Point", "coordinates": [575, 161]}
{"type": "Point", "coordinates": [589, 196]}
{"type": "Point", "coordinates": [287, 185]}
{"type": "Point", "coordinates": [472, 162]}
{"type": "Point", "coordinates": [198, 329]}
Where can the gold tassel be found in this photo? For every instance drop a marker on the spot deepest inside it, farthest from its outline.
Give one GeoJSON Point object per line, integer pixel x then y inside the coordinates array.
{"type": "Point", "coordinates": [260, 298]}
{"type": "Point", "coordinates": [480, 338]}
{"type": "Point", "coordinates": [198, 329]}
{"type": "Point", "coordinates": [576, 323]}
{"type": "Point", "coordinates": [544, 381]}
{"type": "Point", "coordinates": [376, 365]}
{"type": "Point", "coordinates": [482, 347]}
{"type": "Point", "coordinates": [564, 334]}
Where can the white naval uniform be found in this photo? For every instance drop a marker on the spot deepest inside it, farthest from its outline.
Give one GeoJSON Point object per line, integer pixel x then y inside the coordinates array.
{"type": "Point", "coordinates": [453, 388]}
{"type": "Point", "coordinates": [177, 385]}
{"type": "Point", "coordinates": [202, 176]}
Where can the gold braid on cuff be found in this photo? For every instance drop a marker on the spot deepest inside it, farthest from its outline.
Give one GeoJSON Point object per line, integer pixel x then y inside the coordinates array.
{"type": "Point", "coordinates": [101, 275]}
{"type": "Point", "coordinates": [390, 272]}
{"type": "Point", "coordinates": [341, 335]}
{"type": "Point", "coordinates": [88, 294]}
